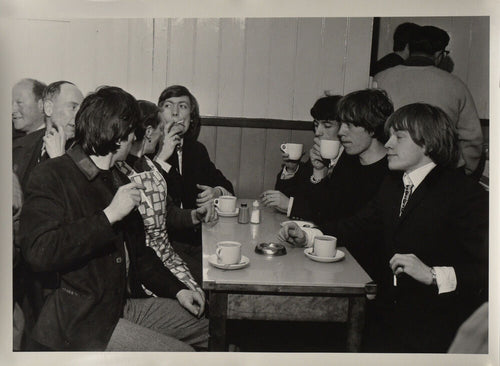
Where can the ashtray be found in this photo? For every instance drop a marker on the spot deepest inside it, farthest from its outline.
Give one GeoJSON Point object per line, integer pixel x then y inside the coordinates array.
{"type": "Point", "coordinates": [270, 249]}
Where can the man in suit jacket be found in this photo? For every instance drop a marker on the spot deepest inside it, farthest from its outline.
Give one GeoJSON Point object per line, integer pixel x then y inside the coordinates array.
{"type": "Point", "coordinates": [60, 102]}
{"type": "Point", "coordinates": [434, 223]}
{"type": "Point", "coordinates": [81, 229]}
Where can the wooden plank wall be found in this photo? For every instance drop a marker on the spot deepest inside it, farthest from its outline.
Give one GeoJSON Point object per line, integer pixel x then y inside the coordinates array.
{"type": "Point", "coordinates": [236, 67]}
{"type": "Point", "coordinates": [469, 46]}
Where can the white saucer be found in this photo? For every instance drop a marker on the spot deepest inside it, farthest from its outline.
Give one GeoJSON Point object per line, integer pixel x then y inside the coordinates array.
{"type": "Point", "coordinates": [228, 214]}
{"type": "Point", "coordinates": [338, 257]}
{"type": "Point", "coordinates": [243, 263]}
{"type": "Point", "coordinates": [300, 223]}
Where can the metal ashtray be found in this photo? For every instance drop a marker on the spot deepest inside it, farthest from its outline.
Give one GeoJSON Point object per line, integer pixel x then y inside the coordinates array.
{"type": "Point", "coordinates": [270, 249]}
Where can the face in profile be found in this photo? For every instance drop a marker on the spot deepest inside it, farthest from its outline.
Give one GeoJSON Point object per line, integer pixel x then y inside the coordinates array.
{"type": "Point", "coordinates": [355, 139]}
{"type": "Point", "coordinates": [403, 153]}
{"type": "Point", "coordinates": [177, 110]}
{"type": "Point", "coordinates": [326, 129]}
{"type": "Point", "coordinates": [124, 149]}
{"type": "Point", "coordinates": [26, 112]}
{"type": "Point", "coordinates": [62, 109]}
{"type": "Point", "coordinates": [155, 135]}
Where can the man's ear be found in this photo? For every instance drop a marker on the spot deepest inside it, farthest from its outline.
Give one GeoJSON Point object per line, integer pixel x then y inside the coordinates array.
{"type": "Point", "coordinates": [149, 132]}
{"type": "Point", "coordinates": [40, 105]}
{"type": "Point", "coordinates": [47, 107]}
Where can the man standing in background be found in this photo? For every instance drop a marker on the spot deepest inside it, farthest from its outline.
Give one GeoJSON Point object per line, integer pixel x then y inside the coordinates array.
{"type": "Point", "coordinates": [402, 36]}
{"type": "Point", "coordinates": [420, 80]}
{"type": "Point", "coordinates": [27, 108]}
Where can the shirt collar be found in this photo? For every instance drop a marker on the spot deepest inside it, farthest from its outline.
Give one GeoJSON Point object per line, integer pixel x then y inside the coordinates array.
{"type": "Point", "coordinates": [83, 162]}
{"type": "Point", "coordinates": [418, 175]}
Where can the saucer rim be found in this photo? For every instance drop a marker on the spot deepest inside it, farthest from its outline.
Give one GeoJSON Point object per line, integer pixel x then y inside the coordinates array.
{"type": "Point", "coordinates": [244, 262]}
{"type": "Point", "coordinates": [338, 257]}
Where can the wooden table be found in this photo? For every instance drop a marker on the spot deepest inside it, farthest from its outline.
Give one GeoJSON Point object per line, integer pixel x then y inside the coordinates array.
{"type": "Point", "coordinates": [288, 288]}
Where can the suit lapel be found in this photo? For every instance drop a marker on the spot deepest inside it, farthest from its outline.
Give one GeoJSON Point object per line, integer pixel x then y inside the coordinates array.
{"type": "Point", "coordinates": [419, 194]}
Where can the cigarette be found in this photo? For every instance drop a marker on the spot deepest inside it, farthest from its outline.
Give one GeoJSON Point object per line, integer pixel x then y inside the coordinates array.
{"type": "Point", "coordinates": [395, 281]}
{"type": "Point", "coordinates": [146, 199]}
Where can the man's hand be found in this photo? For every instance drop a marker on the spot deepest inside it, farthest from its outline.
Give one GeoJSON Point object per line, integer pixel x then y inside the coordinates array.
{"type": "Point", "coordinates": [170, 141]}
{"type": "Point", "coordinates": [317, 161]}
{"type": "Point", "coordinates": [206, 195]}
{"type": "Point", "coordinates": [275, 199]}
{"type": "Point", "coordinates": [126, 198]}
{"type": "Point", "coordinates": [205, 214]}
{"type": "Point", "coordinates": [192, 301]}
{"type": "Point", "coordinates": [55, 142]}
{"type": "Point", "coordinates": [293, 234]}
{"type": "Point", "coordinates": [412, 266]}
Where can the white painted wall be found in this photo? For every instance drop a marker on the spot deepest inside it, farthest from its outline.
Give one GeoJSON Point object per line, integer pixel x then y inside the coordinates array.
{"type": "Point", "coordinates": [243, 67]}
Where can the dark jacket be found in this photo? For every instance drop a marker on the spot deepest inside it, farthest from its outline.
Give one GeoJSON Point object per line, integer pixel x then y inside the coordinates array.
{"type": "Point", "coordinates": [26, 152]}
{"type": "Point", "coordinates": [386, 62]}
{"type": "Point", "coordinates": [445, 223]}
{"type": "Point", "coordinates": [66, 234]}
{"type": "Point", "coordinates": [197, 168]}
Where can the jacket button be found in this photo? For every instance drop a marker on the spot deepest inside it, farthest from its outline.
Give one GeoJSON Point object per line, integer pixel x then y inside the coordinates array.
{"type": "Point", "coordinates": [119, 260]}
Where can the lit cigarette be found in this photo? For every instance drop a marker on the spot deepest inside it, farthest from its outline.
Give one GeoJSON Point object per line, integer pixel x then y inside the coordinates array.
{"type": "Point", "coordinates": [395, 281]}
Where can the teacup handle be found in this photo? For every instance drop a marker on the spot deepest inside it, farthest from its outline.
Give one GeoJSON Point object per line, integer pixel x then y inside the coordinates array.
{"type": "Point", "coordinates": [216, 202]}
{"type": "Point", "coordinates": [217, 253]}
{"type": "Point", "coordinates": [283, 148]}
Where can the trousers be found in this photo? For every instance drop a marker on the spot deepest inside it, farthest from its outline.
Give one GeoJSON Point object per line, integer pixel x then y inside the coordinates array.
{"type": "Point", "coordinates": [159, 325]}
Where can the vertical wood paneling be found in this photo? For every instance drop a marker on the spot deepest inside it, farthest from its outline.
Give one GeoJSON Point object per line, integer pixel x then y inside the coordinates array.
{"type": "Point", "coordinates": [111, 60]}
{"type": "Point", "coordinates": [273, 161]}
{"type": "Point", "coordinates": [251, 172]}
{"type": "Point", "coordinates": [80, 61]}
{"type": "Point", "coordinates": [227, 153]}
{"type": "Point", "coordinates": [459, 32]}
{"type": "Point", "coordinates": [206, 56]}
{"type": "Point", "coordinates": [140, 55]}
{"type": "Point", "coordinates": [478, 78]}
{"type": "Point", "coordinates": [232, 67]}
{"type": "Point", "coordinates": [256, 92]}
{"type": "Point", "coordinates": [160, 41]}
{"type": "Point", "coordinates": [282, 53]}
{"type": "Point", "coordinates": [357, 67]}
{"type": "Point", "coordinates": [180, 54]}
{"type": "Point", "coordinates": [307, 63]}
{"type": "Point", "coordinates": [333, 53]}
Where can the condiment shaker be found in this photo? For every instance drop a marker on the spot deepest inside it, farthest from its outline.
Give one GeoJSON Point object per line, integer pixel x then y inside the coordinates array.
{"type": "Point", "coordinates": [255, 217]}
{"type": "Point", "coordinates": [243, 216]}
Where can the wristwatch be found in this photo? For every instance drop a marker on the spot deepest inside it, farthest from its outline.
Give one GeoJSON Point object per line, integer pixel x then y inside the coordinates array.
{"type": "Point", "coordinates": [434, 279]}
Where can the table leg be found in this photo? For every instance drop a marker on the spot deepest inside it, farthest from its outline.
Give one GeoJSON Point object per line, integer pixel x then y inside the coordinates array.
{"type": "Point", "coordinates": [217, 325]}
{"type": "Point", "coordinates": [355, 322]}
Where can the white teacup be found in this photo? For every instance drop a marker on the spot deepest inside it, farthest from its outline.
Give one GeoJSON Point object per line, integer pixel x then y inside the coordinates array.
{"type": "Point", "coordinates": [228, 252]}
{"type": "Point", "coordinates": [225, 203]}
{"type": "Point", "coordinates": [325, 246]}
{"type": "Point", "coordinates": [329, 149]}
{"type": "Point", "coordinates": [294, 151]}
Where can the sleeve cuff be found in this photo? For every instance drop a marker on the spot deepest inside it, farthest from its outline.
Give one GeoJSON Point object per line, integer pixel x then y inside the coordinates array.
{"type": "Point", "coordinates": [290, 205]}
{"type": "Point", "coordinates": [164, 165]}
{"type": "Point", "coordinates": [446, 279]}
{"type": "Point", "coordinates": [311, 233]}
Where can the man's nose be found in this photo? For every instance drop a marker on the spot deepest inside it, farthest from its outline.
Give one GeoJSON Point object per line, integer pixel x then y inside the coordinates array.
{"type": "Point", "coordinates": [175, 110]}
{"type": "Point", "coordinates": [342, 130]}
{"type": "Point", "coordinates": [14, 107]}
{"type": "Point", "coordinates": [389, 143]}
